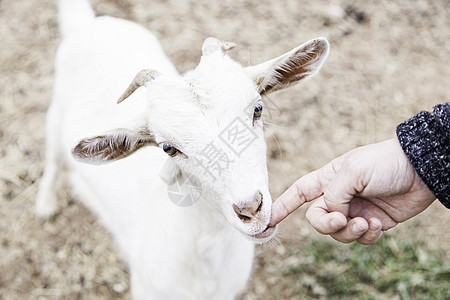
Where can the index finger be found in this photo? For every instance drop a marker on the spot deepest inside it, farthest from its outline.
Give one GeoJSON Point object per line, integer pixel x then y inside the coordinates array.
{"type": "Point", "coordinates": [305, 189]}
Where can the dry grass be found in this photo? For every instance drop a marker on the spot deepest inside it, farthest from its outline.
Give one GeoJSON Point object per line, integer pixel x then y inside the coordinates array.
{"type": "Point", "coordinates": [389, 60]}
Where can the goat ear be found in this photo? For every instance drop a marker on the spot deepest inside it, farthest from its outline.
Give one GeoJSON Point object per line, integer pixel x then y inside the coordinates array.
{"type": "Point", "coordinates": [112, 145]}
{"type": "Point", "coordinates": [290, 68]}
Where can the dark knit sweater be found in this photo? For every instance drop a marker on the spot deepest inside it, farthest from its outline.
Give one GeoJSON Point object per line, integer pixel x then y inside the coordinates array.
{"type": "Point", "coordinates": [425, 138]}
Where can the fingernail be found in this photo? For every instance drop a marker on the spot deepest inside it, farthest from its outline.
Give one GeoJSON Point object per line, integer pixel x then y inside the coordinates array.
{"type": "Point", "coordinates": [357, 229]}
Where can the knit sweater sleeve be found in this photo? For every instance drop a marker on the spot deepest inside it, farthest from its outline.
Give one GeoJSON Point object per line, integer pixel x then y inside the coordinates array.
{"type": "Point", "coordinates": [425, 138]}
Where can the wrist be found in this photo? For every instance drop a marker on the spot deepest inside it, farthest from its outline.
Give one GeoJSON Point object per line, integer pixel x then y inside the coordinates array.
{"type": "Point", "coordinates": [424, 140]}
{"type": "Point", "coordinates": [418, 186]}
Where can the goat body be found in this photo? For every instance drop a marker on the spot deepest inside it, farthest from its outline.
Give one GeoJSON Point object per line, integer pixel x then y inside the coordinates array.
{"type": "Point", "coordinates": [203, 251]}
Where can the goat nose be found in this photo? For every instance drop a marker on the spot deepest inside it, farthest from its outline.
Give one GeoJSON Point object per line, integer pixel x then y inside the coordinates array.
{"type": "Point", "coordinates": [248, 210]}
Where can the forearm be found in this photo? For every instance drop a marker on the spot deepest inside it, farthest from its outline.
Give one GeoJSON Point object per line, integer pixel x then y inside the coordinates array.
{"type": "Point", "coordinates": [425, 138]}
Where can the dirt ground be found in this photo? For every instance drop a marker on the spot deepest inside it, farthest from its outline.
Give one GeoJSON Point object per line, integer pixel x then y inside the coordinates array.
{"type": "Point", "coordinates": [388, 61]}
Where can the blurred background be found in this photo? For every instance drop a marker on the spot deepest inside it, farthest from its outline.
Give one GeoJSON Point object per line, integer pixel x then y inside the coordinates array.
{"type": "Point", "coordinates": [388, 61]}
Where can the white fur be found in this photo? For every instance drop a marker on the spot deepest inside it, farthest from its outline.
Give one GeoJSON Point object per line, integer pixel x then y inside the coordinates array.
{"type": "Point", "coordinates": [204, 251]}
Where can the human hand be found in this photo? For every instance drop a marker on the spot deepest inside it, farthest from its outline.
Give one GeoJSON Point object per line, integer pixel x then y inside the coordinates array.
{"type": "Point", "coordinates": [361, 193]}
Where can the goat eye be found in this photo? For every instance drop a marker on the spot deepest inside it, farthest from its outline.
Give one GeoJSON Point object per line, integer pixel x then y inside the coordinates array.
{"type": "Point", "coordinates": [170, 150]}
{"type": "Point", "coordinates": [257, 112]}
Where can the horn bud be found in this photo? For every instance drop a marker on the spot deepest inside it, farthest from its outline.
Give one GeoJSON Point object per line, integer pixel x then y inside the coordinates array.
{"type": "Point", "coordinates": [211, 45]}
{"type": "Point", "coordinates": [139, 80]}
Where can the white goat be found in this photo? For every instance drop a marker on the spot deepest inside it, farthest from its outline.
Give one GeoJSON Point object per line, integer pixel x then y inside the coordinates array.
{"type": "Point", "coordinates": [208, 121]}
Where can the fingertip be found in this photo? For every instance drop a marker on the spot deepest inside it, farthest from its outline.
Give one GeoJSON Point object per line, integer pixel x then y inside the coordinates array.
{"type": "Point", "coordinates": [373, 233]}
{"type": "Point", "coordinates": [355, 228]}
{"type": "Point", "coordinates": [338, 220]}
{"type": "Point", "coordinates": [273, 218]}
{"type": "Point", "coordinates": [273, 222]}
{"type": "Point", "coordinates": [278, 212]}
{"type": "Point", "coordinates": [329, 222]}
{"type": "Point", "coordinates": [360, 226]}
{"type": "Point", "coordinates": [375, 224]}
{"type": "Point", "coordinates": [276, 216]}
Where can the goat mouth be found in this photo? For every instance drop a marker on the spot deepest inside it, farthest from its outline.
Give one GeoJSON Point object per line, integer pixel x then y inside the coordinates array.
{"type": "Point", "coordinates": [265, 233]}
